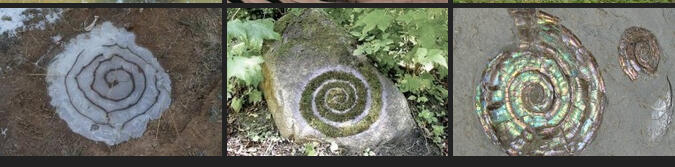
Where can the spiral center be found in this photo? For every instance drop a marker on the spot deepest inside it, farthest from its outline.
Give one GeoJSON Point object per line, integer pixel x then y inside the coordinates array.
{"type": "Point", "coordinates": [114, 77]}
{"type": "Point", "coordinates": [643, 54]}
{"type": "Point", "coordinates": [336, 97]}
{"type": "Point", "coordinates": [536, 97]}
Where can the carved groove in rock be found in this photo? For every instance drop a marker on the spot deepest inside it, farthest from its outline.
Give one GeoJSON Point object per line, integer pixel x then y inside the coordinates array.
{"type": "Point", "coordinates": [106, 87]}
{"type": "Point", "coordinates": [341, 101]}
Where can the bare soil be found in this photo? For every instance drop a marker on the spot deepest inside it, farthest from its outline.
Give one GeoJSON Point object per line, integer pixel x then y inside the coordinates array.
{"type": "Point", "coordinates": [187, 44]}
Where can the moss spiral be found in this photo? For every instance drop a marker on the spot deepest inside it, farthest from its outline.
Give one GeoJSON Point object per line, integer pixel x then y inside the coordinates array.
{"type": "Point", "coordinates": [342, 101]}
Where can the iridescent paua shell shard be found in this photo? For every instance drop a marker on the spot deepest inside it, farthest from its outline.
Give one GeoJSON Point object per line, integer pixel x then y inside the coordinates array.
{"type": "Point", "coordinates": [544, 95]}
{"type": "Point", "coordinates": [661, 113]}
{"type": "Point", "coordinates": [638, 52]}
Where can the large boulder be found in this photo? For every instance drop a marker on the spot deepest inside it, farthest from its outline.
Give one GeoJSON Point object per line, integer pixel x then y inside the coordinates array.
{"type": "Point", "coordinates": [317, 90]}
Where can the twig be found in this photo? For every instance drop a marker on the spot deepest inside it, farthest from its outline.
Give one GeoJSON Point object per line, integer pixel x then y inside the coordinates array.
{"type": "Point", "coordinates": [158, 123]}
{"type": "Point", "coordinates": [174, 125]}
{"type": "Point", "coordinates": [235, 13]}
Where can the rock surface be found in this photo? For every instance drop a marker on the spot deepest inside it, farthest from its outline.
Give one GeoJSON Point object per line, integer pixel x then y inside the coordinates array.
{"type": "Point", "coordinates": [316, 90]}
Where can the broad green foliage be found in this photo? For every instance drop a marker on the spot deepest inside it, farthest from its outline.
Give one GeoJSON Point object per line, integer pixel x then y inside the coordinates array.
{"type": "Point", "coordinates": [377, 18]}
{"type": "Point", "coordinates": [415, 84]}
{"type": "Point", "coordinates": [427, 57]}
{"type": "Point", "coordinates": [411, 47]}
{"type": "Point", "coordinates": [252, 33]}
{"type": "Point", "coordinates": [246, 69]}
{"type": "Point", "coordinates": [244, 44]}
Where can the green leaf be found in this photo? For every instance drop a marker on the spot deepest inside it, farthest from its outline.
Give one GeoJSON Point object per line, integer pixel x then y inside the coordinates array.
{"type": "Point", "coordinates": [260, 30]}
{"type": "Point", "coordinates": [253, 32]}
{"type": "Point", "coordinates": [428, 116]}
{"type": "Point", "coordinates": [415, 84]}
{"type": "Point", "coordinates": [255, 96]}
{"type": "Point", "coordinates": [355, 33]}
{"type": "Point", "coordinates": [429, 57]}
{"type": "Point", "coordinates": [443, 92]}
{"type": "Point", "coordinates": [309, 149]}
{"type": "Point", "coordinates": [422, 99]}
{"type": "Point", "coordinates": [438, 130]}
{"type": "Point", "coordinates": [376, 18]}
{"type": "Point", "coordinates": [443, 72]}
{"type": "Point", "coordinates": [238, 49]}
{"type": "Point", "coordinates": [360, 50]}
{"type": "Point", "coordinates": [427, 36]}
{"type": "Point", "coordinates": [236, 104]}
{"type": "Point", "coordinates": [426, 81]}
{"type": "Point", "coordinates": [437, 56]}
{"type": "Point", "coordinates": [245, 68]}
{"type": "Point", "coordinates": [409, 83]}
{"type": "Point", "coordinates": [236, 29]}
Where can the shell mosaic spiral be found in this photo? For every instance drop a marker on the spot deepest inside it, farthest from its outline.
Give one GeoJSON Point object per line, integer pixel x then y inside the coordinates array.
{"type": "Point", "coordinates": [341, 101]}
{"type": "Point", "coordinates": [543, 96]}
{"type": "Point", "coordinates": [106, 87]}
{"type": "Point", "coordinates": [638, 52]}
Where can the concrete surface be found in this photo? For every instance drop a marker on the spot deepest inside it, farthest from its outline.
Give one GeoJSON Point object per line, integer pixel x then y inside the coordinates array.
{"type": "Point", "coordinates": [479, 34]}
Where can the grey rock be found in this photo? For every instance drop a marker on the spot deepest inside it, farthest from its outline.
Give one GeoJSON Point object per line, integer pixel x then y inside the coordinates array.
{"type": "Point", "coordinates": [311, 45]}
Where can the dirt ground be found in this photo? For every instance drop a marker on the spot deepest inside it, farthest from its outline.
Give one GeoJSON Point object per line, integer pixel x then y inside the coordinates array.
{"type": "Point", "coordinates": [187, 44]}
{"type": "Point", "coordinates": [251, 132]}
{"type": "Point", "coordinates": [479, 34]}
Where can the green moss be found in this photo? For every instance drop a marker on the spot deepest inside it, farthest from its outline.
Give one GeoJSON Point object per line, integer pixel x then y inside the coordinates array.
{"type": "Point", "coordinates": [338, 96]}
{"type": "Point", "coordinates": [314, 32]}
{"type": "Point", "coordinates": [362, 125]}
{"type": "Point", "coordinates": [325, 112]}
{"type": "Point", "coordinates": [281, 24]}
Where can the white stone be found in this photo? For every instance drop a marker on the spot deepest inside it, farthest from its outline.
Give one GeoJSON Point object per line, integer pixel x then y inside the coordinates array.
{"type": "Point", "coordinates": [106, 87]}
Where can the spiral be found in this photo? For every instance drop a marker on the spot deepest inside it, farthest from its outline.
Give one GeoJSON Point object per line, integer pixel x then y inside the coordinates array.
{"type": "Point", "coordinates": [543, 96]}
{"type": "Point", "coordinates": [341, 101]}
{"type": "Point", "coordinates": [638, 52]}
{"type": "Point", "coordinates": [106, 87]}
{"type": "Point", "coordinates": [112, 83]}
